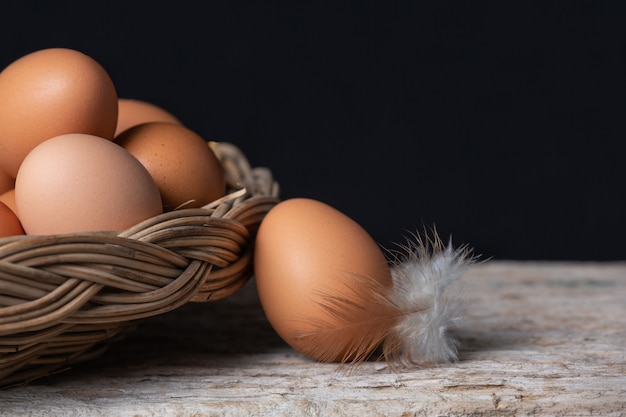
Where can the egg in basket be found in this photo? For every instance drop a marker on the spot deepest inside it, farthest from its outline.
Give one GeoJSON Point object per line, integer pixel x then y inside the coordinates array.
{"type": "Point", "coordinates": [102, 227]}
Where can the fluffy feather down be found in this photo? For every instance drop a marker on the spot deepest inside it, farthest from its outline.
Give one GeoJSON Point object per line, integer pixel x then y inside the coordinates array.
{"type": "Point", "coordinates": [426, 288]}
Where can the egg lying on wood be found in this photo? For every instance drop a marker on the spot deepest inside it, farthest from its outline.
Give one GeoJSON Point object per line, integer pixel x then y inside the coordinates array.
{"type": "Point", "coordinates": [328, 290]}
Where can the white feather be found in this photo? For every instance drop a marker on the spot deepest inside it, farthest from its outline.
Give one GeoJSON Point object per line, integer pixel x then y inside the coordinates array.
{"type": "Point", "coordinates": [426, 286]}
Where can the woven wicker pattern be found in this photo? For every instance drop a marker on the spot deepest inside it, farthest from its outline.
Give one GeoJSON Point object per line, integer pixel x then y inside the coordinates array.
{"type": "Point", "coordinates": [64, 298]}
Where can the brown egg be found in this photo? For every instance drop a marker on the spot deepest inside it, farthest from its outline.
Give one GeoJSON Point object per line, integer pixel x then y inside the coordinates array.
{"type": "Point", "coordinates": [79, 182]}
{"type": "Point", "coordinates": [9, 223]}
{"type": "Point", "coordinates": [305, 248]}
{"type": "Point", "coordinates": [8, 198]}
{"type": "Point", "coordinates": [48, 93]}
{"type": "Point", "coordinates": [180, 161]}
{"type": "Point", "coordinates": [6, 182]}
{"type": "Point", "coordinates": [133, 112]}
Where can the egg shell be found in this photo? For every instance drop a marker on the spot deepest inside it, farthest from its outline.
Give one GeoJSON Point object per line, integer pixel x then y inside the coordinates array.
{"type": "Point", "coordinates": [132, 112]}
{"type": "Point", "coordinates": [8, 198]}
{"type": "Point", "coordinates": [6, 182]}
{"type": "Point", "coordinates": [180, 161]}
{"type": "Point", "coordinates": [305, 248]}
{"type": "Point", "coordinates": [9, 223]}
{"type": "Point", "coordinates": [51, 92]}
{"type": "Point", "coordinates": [79, 182]}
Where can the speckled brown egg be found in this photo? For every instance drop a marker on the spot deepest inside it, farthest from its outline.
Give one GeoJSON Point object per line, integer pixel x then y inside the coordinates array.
{"type": "Point", "coordinates": [51, 92]}
{"type": "Point", "coordinates": [180, 161]}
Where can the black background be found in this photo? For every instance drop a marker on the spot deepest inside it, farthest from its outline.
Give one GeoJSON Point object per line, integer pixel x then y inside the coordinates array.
{"type": "Point", "coordinates": [501, 122]}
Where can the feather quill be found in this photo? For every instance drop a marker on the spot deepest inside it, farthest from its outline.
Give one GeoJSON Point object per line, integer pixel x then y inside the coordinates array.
{"type": "Point", "coordinates": [407, 323]}
{"type": "Point", "coordinates": [360, 311]}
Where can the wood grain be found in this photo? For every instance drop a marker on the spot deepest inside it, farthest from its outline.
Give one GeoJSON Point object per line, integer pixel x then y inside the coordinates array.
{"type": "Point", "coordinates": [538, 339]}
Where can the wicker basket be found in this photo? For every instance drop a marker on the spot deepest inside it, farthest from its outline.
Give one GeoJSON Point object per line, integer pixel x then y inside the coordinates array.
{"type": "Point", "coordinates": [64, 298]}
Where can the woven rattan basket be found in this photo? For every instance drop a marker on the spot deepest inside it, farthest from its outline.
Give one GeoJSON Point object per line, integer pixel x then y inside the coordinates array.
{"type": "Point", "coordinates": [64, 298]}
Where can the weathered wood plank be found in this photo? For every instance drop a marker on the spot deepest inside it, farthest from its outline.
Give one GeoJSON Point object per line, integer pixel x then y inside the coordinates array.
{"type": "Point", "coordinates": [539, 339]}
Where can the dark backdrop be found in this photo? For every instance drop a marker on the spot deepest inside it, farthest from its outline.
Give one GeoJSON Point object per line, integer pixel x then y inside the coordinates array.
{"type": "Point", "coordinates": [501, 123]}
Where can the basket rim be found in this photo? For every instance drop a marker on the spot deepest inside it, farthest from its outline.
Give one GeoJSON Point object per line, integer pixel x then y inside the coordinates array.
{"type": "Point", "coordinates": [64, 297]}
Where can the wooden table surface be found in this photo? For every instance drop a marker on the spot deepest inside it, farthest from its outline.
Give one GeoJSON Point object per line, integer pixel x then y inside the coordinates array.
{"type": "Point", "coordinates": [538, 339]}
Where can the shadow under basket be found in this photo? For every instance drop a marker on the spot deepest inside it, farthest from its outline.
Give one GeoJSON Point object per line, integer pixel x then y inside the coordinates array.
{"type": "Point", "coordinates": [64, 298]}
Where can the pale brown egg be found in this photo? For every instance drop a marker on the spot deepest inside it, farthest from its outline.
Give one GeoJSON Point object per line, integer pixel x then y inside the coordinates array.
{"type": "Point", "coordinates": [51, 92]}
{"type": "Point", "coordinates": [132, 112]}
{"type": "Point", "coordinates": [309, 259]}
{"type": "Point", "coordinates": [79, 182]}
{"type": "Point", "coordinates": [9, 223]}
{"type": "Point", "coordinates": [180, 161]}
